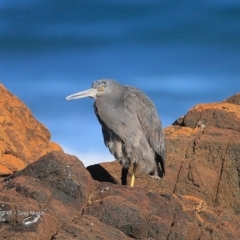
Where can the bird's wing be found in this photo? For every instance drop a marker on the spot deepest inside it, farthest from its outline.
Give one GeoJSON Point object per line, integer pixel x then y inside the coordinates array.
{"type": "Point", "coordinates": [138, 103]}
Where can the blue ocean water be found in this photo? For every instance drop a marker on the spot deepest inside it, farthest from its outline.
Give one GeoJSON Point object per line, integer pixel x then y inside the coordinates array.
{"type": "Point", "coordinates": [180, 53]}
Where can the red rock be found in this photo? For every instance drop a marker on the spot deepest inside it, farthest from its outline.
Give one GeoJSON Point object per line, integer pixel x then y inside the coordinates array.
{"type": "Point", "coordinates": [89, 227]}
{"type": "Point", "coordinates": [23, 139]}
{"type": "Point", "coordinates": [144, 214]}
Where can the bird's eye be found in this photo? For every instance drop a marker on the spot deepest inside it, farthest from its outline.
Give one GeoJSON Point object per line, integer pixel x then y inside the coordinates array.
{"type": "Point", "coordinates": [101, 88]}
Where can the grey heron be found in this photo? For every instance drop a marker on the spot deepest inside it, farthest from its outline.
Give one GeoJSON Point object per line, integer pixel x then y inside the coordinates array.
{"type": "Point", "coordinates": [131, 127]}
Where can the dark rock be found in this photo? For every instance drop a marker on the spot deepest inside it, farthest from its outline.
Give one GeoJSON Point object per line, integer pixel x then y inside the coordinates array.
{"type": "Point", "coordinates": [51, 191]}
{"type": "Point", "coordinates": [89, 227]}
{"type": "Point", "coordinates": [179, 121]}
{"type": "Point", "coordinates": [235, 99]}
{"type": "Point", "coordinates": [149, 215]}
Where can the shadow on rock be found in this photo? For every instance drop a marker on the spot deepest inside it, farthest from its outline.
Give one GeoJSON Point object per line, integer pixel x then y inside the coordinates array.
{"type": "Point", "coordinates": [100, 174]}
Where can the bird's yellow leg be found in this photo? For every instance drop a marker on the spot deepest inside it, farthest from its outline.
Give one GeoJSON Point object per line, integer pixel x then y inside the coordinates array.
{"type": "Point", "coordinates": [133, 175]}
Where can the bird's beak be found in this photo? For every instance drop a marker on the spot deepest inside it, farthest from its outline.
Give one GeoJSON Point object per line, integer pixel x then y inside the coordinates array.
{"type": "Point", "coordinates": [92, 92]}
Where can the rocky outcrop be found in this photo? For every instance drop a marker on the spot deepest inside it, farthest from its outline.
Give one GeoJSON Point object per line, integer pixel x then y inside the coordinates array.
{"type": "Point", "coordinates": [55, 197]}
{"type": "Point", "coordinates": [145, 214]}
{"type": "Point", "coordinates": [44, 196]}
{"type": "Point", "coordinates": [22, 138]}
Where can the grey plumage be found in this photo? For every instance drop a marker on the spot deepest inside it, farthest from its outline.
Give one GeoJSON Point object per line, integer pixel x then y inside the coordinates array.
{"type": "Point", "coordinates": [130, 124]}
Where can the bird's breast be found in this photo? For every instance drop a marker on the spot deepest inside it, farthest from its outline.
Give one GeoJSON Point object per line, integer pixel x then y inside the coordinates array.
{"type": "Point", "coordinates": [112, 116]}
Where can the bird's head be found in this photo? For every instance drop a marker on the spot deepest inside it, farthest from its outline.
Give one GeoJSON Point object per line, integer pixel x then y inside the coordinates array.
{"type": "Point", "coordinates": [98, 88]}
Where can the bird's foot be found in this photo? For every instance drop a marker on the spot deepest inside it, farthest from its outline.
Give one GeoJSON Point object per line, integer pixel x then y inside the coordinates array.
{"type": "Point", "coordinates": [155, 177]}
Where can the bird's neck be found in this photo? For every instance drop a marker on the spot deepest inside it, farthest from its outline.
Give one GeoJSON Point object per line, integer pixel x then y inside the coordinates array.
{"type": "Point", "coordinates": [112, 100]}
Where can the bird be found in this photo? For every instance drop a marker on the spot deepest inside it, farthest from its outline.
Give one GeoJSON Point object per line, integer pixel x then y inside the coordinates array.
{"type": "Point", "coordinates": [131, 127]}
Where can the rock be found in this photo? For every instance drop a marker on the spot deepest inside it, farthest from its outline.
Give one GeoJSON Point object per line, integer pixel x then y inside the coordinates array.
{"type": "Point", "coordinates": [89, 227]}
{"type": "Point", "coordinates": [202, 157]}
{"type": "Point", "coordinates": [142, 214]}
{"type": "Point", "coordinates": [234, 99]}
{"type": "Point", "coordinates": [106, 172]}
{"type": "Point", "coordinates": [23, 139]}
{"type": "Point", "coordinates": [214, 114]}
{"type": "Point", "coordinates": [55, 197]}
{"type": "Point", "coordinates": [45, 195]}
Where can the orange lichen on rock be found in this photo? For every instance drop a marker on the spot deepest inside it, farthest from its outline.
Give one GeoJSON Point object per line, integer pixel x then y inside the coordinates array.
{"type": "Point", "coordinates": [225, 115]}
{"type": "Point", "coordinates": [176, 131]}
{"type": "Point", "coordinates": [228, 107]}
{"type": "Point", "coordinates": [22, 138]}
{"type": "Point", "coordinates": [193, 203]}
{"type": "Point", "coordinates": [52, 146]}
{"type": "Point", "coordinates": [10, 163]}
